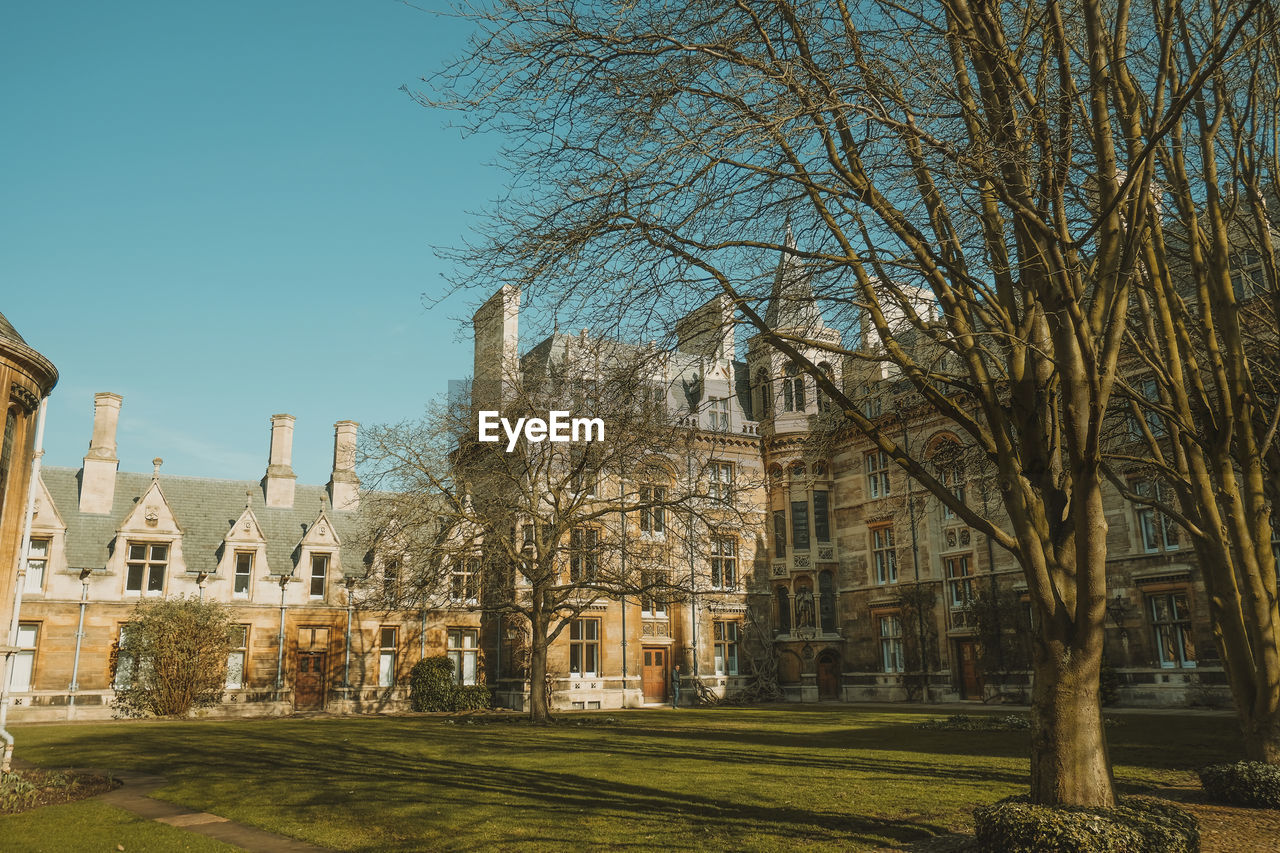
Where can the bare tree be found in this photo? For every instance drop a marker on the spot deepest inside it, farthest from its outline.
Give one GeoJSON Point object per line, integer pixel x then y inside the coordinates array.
{"type": "Point", "coordinates": [971, 185]}
{"type": "Point", "coordinates": [1197, 418]}
{"type": "Point", "coordinates": [534, 533]}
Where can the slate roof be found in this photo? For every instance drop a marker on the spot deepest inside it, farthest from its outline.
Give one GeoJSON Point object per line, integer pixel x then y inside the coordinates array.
{"type": "Point", "coordinates": [8, 332]}
{"type": "Point", "coordinates": [205, 509]}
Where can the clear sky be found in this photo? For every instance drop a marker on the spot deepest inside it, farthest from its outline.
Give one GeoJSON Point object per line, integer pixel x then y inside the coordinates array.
{"type": "Point", "coordinates": [225, 210]}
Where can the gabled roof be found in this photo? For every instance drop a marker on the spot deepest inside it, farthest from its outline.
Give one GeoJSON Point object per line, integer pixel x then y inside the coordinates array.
{"type": "Point", "coordinates": [204, 509]}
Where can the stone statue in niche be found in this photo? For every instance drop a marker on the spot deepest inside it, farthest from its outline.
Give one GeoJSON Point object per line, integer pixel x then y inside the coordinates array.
{"type": "Point", "coordinates": [804, 607]}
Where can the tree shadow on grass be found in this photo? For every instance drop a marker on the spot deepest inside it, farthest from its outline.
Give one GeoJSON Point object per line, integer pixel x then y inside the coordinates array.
{"type": "Point", "coordinates": [306, 771]}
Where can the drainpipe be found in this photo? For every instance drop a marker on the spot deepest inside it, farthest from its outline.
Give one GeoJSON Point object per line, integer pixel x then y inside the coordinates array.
{"type": "Point", "coordinates": [75, 662]}
{"type": "Point", "coordinates": [284, 581]}
{"type": "Point", "coordinates": [11, 657]}
{"type": "Point", "coordinates": [346, 655]}
{"type": "Point", "coordinates": [422, 634]}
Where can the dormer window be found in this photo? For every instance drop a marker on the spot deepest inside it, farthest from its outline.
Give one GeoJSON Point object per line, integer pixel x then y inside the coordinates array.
{"type": "Point", "coordinates": [244, 573]}
{"type": "Point", "coordinates": [146, 567]}
{"type": "Point", "coordinates": [720, 413]}
{"type": "Point", "coordinates": [319, 574]}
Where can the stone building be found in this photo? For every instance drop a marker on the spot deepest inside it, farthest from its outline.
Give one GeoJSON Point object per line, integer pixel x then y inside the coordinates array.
{"type": "Point", "coordinates": [283, 555]}
{"type": "Point", "coordinates": [27, 378]}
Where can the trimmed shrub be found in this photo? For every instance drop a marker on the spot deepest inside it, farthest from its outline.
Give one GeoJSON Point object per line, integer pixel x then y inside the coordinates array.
{"type": "Point", "coordinates": [1245, 783]}
{"type": "Point", "coordinates": [472, 697]}
{"type": "Point", "coordinates": [432, 688]}
{"type": "Point", "coordinates": [1136, 825]}
{"type": "Point", "coordinates": [977, 723]}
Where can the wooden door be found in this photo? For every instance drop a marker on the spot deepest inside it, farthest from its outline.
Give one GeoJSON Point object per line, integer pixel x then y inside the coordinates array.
{"type": "Point", "coordinates": [308, 689]}
{"type": "Point", "coordinates": [970, 679]}
{"type": "Point", "coordinates": [828, 675]}
{"type": "Point", "coordinates": [655, 675]}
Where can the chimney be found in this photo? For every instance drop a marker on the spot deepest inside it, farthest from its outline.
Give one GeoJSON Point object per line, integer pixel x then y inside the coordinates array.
{"type": "Point", "coordinates": [344, 485]}
{"type": "Point", "coordinates": [280, 479]}
{"type": "Point", "coordinates": [98, 476]}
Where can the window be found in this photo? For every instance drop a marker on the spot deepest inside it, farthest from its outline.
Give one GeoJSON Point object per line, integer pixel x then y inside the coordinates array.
{"type": "Point", "coordinates": [6, 450]}
{"type": "Point", "coordinates": [784, 611]}
{"type": "Point", "coordinates": [584, 468]}
{"type": "Point", "coordinates": [1149, 392]}
{"type": "Point", "coordinates": [877, 462]}
{"type": "Point", "coordinates": [883, 554]}
{"type": "Point", "coordinates": [126, 662]}
{"type": "Point", "coordinates": [891, 657]}
{"type": "Point", "coordinates": [391, 580]}
{"type": "Point", "coordinates": [725, 635]}
{"type": "Point", "coordinates": [1157, 531]}
{"type": "Point", "coordinates": [146, 568]}
{"type": "Point", "coordinates": [720, 482]}
{"type": "Point", "coordinates": [1171, 621]}
{"type": "Point", "coordinates": [652, 513]}
{"type": "Point", "coordinates": [654, 400]}
{"type": "Point", "coordinates": [780, 532]}
{"type": "Point", "coordinates": [800, 525]}
{"type": "Point", "coordinates": [1247, 275]}
{"type": "Point", "coordinates": [319, 572]}
{"type": "Point", "coordinates": [584, 647]}
{"type": "Point", "coordinates": [872, 403]}
{"type": "Point", "coordinates": [386, 657]}
{"type": "Point", "coordinates": [464, 653]}
{"type": "Point", "coordinates": [827, 601]}
{"type": "Point", "coordinates": [584, 556]}
{"type": "Point", "coordinates": [822, 515]}
{"type": "Point", "coordinates": [237, 656]}
{"type": "Point", "coordinates": [720, 413]}
{"type": "Point", "coordinates": [653, 602]}
{"type": "Point", "coordinates": [792, 389]}
{"type": "Point", "coordinates": [959, 583]}
{"type": "Point", "coordinates": [954, 483]}
{"type": "Point", "coordinates": [24, 662]}
{"type": "Point", "coordinates": [824, 402]}
{"type": "Point", "coordinates": [464, 581]}
{"type": "Point", "coordinates": [244, 571]}
{"type": "Point", "coordinates": [36, 565]}
{"type": "Point", "coordinates": [765, 391]}
{"type": "Point", "coordinates": [724, 562]}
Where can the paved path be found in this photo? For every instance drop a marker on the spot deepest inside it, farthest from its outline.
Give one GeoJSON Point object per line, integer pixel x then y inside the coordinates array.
{"type": "Point", "coordinates": [134, 795]}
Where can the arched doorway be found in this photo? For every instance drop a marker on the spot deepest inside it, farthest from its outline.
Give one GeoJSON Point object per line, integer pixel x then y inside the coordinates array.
{"type": "Point", "coordinates": [829, 675]}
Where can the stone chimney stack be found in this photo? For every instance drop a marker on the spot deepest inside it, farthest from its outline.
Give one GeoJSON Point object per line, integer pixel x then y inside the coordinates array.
{"type": "Point", "coordinates": [280, 479]}
{"type": "Point", "coordinates": [98, 476]}
{"type": "Point", "coordinates": [344, 485]}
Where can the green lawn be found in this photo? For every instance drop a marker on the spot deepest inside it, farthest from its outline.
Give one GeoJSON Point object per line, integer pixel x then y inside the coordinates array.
{"type": "Point", "coordinates": [745, 779]}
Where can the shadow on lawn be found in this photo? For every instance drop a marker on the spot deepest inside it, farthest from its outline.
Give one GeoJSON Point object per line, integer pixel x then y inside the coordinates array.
{"type": "Point", "coordinates": [452, 775]}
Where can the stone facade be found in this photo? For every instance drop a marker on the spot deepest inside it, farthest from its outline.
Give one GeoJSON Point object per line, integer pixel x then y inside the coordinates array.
{"type": "Point", "coordinates": [282, 555]}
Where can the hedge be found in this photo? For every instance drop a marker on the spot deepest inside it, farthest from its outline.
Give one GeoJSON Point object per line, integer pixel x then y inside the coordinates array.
{"type": "Point", "coordinates": [1245, 783]}
{"type": "Point", "coordinates": [1136, 825]}
{"type": "Point", "coordinates": [432, 687]}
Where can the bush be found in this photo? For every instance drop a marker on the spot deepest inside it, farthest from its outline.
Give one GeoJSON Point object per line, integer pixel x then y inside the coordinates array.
{"type": "Point", "coordinates": [172, 657]}
{"type": "Point", "coordinates": [1136, 825]}
{"type": "Point", "coordinates": [1245, 783]}
{"type": "Point", "coordinates": [432, 688]}
{"type": "Point", "coordinates": [977, 723]}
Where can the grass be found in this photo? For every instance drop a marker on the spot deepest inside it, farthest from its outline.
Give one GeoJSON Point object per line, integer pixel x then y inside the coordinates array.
{"type": "Point", "coordinates": [828, 778]}
{"type": "Point", "coordinates": [91, 825]}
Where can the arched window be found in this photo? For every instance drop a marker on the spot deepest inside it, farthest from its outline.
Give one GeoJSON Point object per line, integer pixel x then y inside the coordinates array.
{"type": "Point", "coordinates": [827, 601]}
{"type": "Point", "coordinates": [764, 388]}
{"type": "Point", "coordinates": [793, 389]}
{"type": "Point", "coordinates": [824, 402]}
{"type": "Point", "coordinates": [784, 611]}
{"type": "Point", "coordinates": [6, 451]}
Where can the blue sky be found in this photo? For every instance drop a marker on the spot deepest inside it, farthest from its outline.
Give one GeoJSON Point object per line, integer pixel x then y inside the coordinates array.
{"type": "Point", "coordinates": [226, 210]}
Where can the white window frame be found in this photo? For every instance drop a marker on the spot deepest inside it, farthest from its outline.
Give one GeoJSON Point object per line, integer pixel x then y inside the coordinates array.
{"type": "Point", "coordinates": [719, 409]}
{"type": "Point", "coordinates": [322, 577]}
{"type": "Point", "coordinates": [720, 481]}
{"type": "Point", "coordinates": [387, 655]}
{"type": "Point", "coordinates": [725, 636]}
{"type": "Point", "coordinates": [246, 575]}
{"type": "Point", "coordinates": [23, 672]}
{"type": "Point", "coordinates": [892, 658]}
{"type": "Point", "coordinates": [37, 565]}
{"type": "Point", "coordinates": [724, 562]}
{"type": "Point", "coordinates": [463, 649]}
{"type": "Point", "coordinates": [884, 553]}
{"type": "Point", "coordinates": [877, 469]}
{"type": "Point", "coordinates": [238, 658]}
{"type": "Point", "coordinates": [147, 567]}
{"type": "Point", "coordinates": [584, 650]}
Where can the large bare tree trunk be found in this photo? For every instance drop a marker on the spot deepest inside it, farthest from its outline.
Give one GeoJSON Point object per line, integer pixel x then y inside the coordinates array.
{"type": "Point", "coordinates": [1069, 761]}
